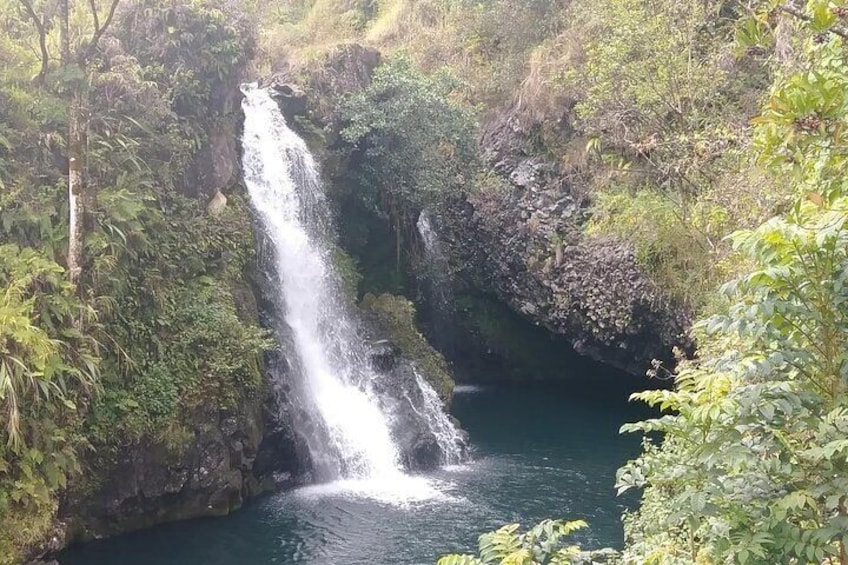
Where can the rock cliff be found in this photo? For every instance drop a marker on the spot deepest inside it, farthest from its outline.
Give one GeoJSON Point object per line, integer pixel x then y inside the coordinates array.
{"type": "Point", "coordinates": [520, 238]}
{"type": "Point", "coordinates": [522, 242]}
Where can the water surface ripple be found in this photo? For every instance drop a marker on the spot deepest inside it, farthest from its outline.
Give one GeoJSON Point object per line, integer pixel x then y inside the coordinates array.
{"type": "Point", "coordinates": [539, 452]}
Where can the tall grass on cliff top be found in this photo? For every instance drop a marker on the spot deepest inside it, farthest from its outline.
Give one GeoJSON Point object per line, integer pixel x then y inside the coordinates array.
{"type": "Point", "coordinates": [486, 43]}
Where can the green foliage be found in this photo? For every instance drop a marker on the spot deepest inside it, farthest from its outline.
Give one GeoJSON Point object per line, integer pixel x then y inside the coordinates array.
{"type": "Point", "coordinates": [660, 102]}
{"type": "Point", "coordinates": [543, 544]}
{"type": "Point", "coordinates": [676, 250]}
{"type": "Point", "coordinates": [45, 364]}
{"type": "Point", "coordinates": [348, 272]}
{"type": "Point", "coordinates": [417, 143]}
{"type": "Point", "coordinates": [753, 467]}
{"type": "Point", "coordinates": [414, 145]}
{"type": "Point", "coordinates": [673, 115]}
{"type": "Point", "coordinates": [191, 46]}
{"type": "Point", "coordinates": [159, 311]}
{"type": "Point", "coordinates": [176, 336]}
{"type": "Point", "coordinates": [487, 43]}
{"type": "Point", "coordinates": [200, 351]}
{"type": "Point", "coordinates": [47, 370]}
{"type": "Point", "coordinates": [24, 527]}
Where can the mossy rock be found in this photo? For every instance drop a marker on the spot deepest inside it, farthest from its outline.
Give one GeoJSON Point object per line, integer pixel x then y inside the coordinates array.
{"type": "Point", "coordinates": [27, 532]}
{"type": "Point", "coordinates": [396, 316]}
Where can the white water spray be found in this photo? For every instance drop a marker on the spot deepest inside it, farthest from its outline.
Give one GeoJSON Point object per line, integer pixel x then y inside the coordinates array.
{"type": "Point", "coordinates": [353, 436]}
{"type": "Point", "coordinates": [428, 234]}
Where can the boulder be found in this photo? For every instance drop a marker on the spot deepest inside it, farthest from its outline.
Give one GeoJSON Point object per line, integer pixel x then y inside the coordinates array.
{"type": "Point", "coordinates": [217, 204]}
{"type": "Point", "coordinates": [290, 97]}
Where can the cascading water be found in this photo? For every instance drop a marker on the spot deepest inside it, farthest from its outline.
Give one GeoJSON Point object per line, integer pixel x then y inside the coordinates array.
{"type": "Point", "coordinates": [437, 265]}
{"type": "Point", "coordinates": [351, 433]}
{"type": "Point", "coordinates": [428, 234]}
{"type": "Point", "coordinates": [437, 288]}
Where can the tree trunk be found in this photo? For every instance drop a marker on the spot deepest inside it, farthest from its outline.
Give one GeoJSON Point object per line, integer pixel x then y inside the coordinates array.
{"type": "Point", "coordinates": [77, 197]}
{"type": "Point", "coordinates": [398, 238]}
{"type": "Point", "coordinates": [64, 32]}
{"type": "Point", "coordinates": [843, 549]}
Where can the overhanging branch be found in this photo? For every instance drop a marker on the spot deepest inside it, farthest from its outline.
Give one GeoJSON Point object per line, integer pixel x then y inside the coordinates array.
{"type": "Point", "coordinates": [42, 38]}
{"type": "Point", "coordinates": [797, 12]}
{"type": "Point", "coordinates": [99, 30]}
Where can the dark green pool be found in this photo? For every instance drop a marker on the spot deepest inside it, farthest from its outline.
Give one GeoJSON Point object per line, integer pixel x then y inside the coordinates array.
{"type": "Point", "coordinates": [541, 451]}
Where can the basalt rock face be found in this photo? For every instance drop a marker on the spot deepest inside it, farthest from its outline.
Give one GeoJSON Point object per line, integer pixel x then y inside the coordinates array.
{"type": "Point", "coordinates": [344, 69]}
{"type": "Point", "coordinates": [149, 483]}
{"type": "Point", "coordinates": [523, 243]}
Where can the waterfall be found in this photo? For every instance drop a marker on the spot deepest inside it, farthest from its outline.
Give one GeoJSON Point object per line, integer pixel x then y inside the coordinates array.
{"type": "Point", "coordinates": [437, 264]}
{"type": "Point", "coordinates": [428, 234]}
{"type": "Point", "coordinates": [350, 432]}
{"type": "Point", "coordinates": [437, 287]}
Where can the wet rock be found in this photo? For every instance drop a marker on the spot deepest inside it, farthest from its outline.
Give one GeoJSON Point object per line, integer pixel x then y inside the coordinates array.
{"type": "Point", "coordinates": [525, 246]}
{"type": "Point", "coordinates": [403, 400]}
{"type": "Point", "coordinates": [291, 98]}
{"type": "Point", "coordinates": [212, 473]}
{"type": "Point", "coordinates": [392, 318]}
{"type": "Point", "coordinates": [425, 454]}
{"type": "Point", "coordinates": [403, 358]}
{"type": "Point", "coordinates": [384, 355]}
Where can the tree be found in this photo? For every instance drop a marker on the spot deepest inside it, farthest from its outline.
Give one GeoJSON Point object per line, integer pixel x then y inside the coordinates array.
{"type": "Point", "coordinates": [753, 467]}
{"type": "Point", "coordinates": [417, 142]}
{"type": "Point", "coordinates": [75, 57]}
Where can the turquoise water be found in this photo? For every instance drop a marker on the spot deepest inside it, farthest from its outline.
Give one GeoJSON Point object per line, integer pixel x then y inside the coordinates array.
{"type": "Point", "coordinates": [542, 451]}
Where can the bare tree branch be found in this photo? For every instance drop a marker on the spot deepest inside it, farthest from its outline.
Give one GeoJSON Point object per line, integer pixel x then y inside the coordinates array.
{"type": "Point", "coordinates": [99, 30]}
{"type": "Point", "coordinates": [42, 38]}
{"type": "Point", "coordinates": [93, 6]}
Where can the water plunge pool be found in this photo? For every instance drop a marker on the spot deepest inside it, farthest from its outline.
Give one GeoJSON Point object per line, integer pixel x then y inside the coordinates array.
{"type": "Point", "coordinates": [539, 451]}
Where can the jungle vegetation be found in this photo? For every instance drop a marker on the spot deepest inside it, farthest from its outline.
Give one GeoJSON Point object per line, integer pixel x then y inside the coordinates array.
{"type": "Point", "coordinates": [710, 134]}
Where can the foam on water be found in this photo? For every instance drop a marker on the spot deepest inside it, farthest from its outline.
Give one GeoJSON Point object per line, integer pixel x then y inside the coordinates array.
{"type": "Point", "coordinates": [403, 490]}
{"type": "Point", "coordinates": [467, 389]}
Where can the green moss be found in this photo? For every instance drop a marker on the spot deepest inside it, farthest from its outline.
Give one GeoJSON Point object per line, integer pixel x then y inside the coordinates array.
{"type": "Point", "coordinates": [397, 315]}
{"type": "Point", "coordinates": [348, 271]}
{"type": "Point", "coordinates": [24, 528]}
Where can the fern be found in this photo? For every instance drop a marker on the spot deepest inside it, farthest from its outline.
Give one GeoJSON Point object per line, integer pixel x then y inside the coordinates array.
{"type": "Point", "coordinates": [541, 545]}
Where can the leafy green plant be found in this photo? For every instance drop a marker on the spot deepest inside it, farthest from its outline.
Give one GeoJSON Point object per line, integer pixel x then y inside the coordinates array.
{"type": "Point", "coordinates": [753, 466]}
{"type": "Point", "coordinates": [676, 250]}
{"type": "Point", "coordinates": [543, 544]}
{"type": "Point", "coordinates": [416, 142]}
{"type": "Point", "coordinates": [48, 370]}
